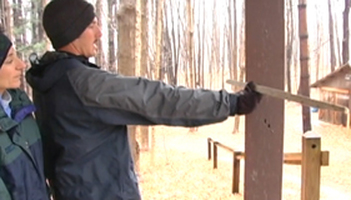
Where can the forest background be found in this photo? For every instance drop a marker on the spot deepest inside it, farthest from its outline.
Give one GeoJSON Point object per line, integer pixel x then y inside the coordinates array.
{"type": "Point", "coordinates": [196, 43]}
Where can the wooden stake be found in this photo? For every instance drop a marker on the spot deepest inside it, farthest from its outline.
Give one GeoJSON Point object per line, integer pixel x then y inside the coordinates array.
{"type": "Point", "coordinates": [311, 166]}
{"type": "Point", "coordinates": [296, 98]}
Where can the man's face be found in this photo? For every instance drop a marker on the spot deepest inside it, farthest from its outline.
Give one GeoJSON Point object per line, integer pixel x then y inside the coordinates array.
{"type": "Point", "coordinates": [85, 44]}
{"type": "Point", "coordinates": [11, 71]}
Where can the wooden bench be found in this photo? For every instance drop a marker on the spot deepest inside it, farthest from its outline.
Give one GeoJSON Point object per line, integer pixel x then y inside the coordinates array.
{"type": "Point", "coordinates": [311, 159]}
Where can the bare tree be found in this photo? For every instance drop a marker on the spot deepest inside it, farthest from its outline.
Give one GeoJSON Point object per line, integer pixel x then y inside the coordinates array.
{"type": "Point", "coordinates": [214, 44]}
{"type": "Point", "coordinates": [232, 39]}
{"type": "Point", "coordinates": [173, 27]}
{"type": "Point", "coordinates": [331, 38]}
{"type": "Point", "coordinates": [304, 64]}
{"type": "Point", "coordinates": [202, 41]}
{"type": "Point", "coordinates": [34, 21]}
{"type": "Point", "coordinates": [102, 55]}
{"type": "Point", "coordinates": [18, 21]}
{"type": "Point", "coordinates": [346, 37]}
{"type": "Point", "coordinates": [144, 59]}
{"type": "Point", "coordinates": [319, 37]}
{"type": "Point", "coordinates": [128, 55]}
{"type": "Point", "coordinates": [290, 41]}
{"type": "Point", "coordinates": [241, 61]}
{"type": "Point", "coordinates": [159, 31]}
{"type": "Point", "coordinates": [6, 19]}
{"type": "Point", "coordinates": [112, 43]}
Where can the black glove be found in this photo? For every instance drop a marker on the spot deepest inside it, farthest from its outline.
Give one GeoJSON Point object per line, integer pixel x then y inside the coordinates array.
{"type": "Point", "coordinates": [246, 100]}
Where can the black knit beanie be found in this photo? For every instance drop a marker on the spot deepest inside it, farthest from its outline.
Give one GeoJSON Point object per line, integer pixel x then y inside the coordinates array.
{"type": "Point", "coordinates": [65, 20]}
{"type": "Point", "coordinates": [5, 45]}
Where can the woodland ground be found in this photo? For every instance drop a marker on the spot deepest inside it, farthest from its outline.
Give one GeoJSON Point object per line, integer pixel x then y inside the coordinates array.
{"type": "Point", "coordinates": [178, 167]}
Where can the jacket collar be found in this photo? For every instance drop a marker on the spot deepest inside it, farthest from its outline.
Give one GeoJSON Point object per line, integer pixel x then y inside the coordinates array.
{"type": "Point", "coordinates": [21, 107]}
{"type": "Point", "coordinates": [82, 59]}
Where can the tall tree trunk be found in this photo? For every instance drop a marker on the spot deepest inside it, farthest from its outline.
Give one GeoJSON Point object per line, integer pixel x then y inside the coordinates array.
{"type": "Point", "coordinates": [19, 22]}
{"type": "Point", "coordinates": [233, 57]}
{"type": "Point", "coordinates": [304, 64]}
{"type": "Point", "coordinates": [144, 59]}
{"type": "Point", "coordinates": [190, 41]}
{"type": "Point", "coordinates": [223, 56]}
{"type": "Point", "coordinates": [45, 37]}
{"type": "Point", "coordinates": [129, 56]}
{"type": "Point", "coordinates": [290, 41]}
{"type": "Point", "coordinates": [158, 60]}
{"type": "Point", "coordinates": [203, 41]}
{"type": "Point", "coordinates": [214, 46]}
{"type": "Point", "coordinates": [175, 42]}
{"type": "Point", "coordinates": [112, 36]}
{"type": "Point", "coordinates": [6, 17]}
{"type": "Point", "coordinates": [159, 31]}
{"type": "Point", "coordinates": [34, 21]}
{"type": "Point", "coordinates": [346, 36]}
{"type": "Point", "coordinates": [178, 47]}
{"type": "Point", "coordinates": [319, 42]}
{"type": "Point", "coordinates": [167, 54]}
{"type": "Point", "coordinates": [102, 55]}
{"type": "Point", "coordinates": [199, 56]}
{"type": "Point", "coordinates": [331, 38]}
{"type": "Point", "coordinates": [200, 44]}
{"type": "Point", "coordinates": [241, 62]}
{"type": "Point", "coordinates": [337, 38]}
{"type": "Point", "coordinates": [41, 32]}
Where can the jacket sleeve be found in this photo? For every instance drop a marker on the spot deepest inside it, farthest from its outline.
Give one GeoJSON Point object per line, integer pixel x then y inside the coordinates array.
{"type": "Point", "coordinates": [4, 193]}
{"type": "Point", "coordinates": [143, 101]}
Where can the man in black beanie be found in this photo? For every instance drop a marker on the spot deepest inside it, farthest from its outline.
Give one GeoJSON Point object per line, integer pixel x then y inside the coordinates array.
{"type": "Point", "coordinates": [84, 111]}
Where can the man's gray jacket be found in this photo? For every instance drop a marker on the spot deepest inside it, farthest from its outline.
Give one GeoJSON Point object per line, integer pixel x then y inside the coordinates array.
{"type": "Point", "coordinates": [83, 112]}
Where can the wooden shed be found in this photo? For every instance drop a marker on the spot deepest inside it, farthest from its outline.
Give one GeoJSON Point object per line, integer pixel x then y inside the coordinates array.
{"type": "Point", "coordinates": [335, 88]}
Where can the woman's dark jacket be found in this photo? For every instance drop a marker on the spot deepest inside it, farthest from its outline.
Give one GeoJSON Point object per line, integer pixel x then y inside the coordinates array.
{"type": "Point", "coordinates": [21, 157]}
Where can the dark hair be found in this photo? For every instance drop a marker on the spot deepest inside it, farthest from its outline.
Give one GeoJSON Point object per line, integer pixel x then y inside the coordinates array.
{"type": "Point", "coordinates": [5, 45]}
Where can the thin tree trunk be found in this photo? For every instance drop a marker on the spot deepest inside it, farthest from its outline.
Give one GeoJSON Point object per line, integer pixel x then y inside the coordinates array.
{"type": "Point", "coordinates": [203, 41]}
{"type": "Point", "coordinates": [34, 19]}
{"type": "Point", "coordinates": [6, 17]}
{"type": "Point", "coordinates": [241, 63]}
{"type": "Point", "coordinates": [175, 43]}
{"type": "Point", "coordinates": [18, 22]}
{"type": "Point", "coordinates": [112, 36]}
{"type": "Point", "coordinates": [290, 41]}
{"type": "Point", "coordinates": [331, 38]}
{"type": "Point", "coordinates": [159, 31]}
{"type": "Point", "coordinates": [190, 41]}
{"type": "Point", "coordinates": [41, 32]}
{"type": "Point", "coordinates": [319, 43]}
{"type": "Point", "coordinates": [346, 37]}
{"type": "Point", "coordinates": [304, 64]}
{"type": "Point", "coordinates": [222, 66]}
{"type": "Point", "coordinates": [144, 59]}
{"type": "Point", "coordinates": [102, 55]}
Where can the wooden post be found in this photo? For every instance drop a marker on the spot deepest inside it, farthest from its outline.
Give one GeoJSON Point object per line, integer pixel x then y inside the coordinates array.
{"type": "Point", "coordinates": [264, 50]}
{"type": "Point", "coordinates": [311, 166]}
{"type": "Point", "coordinates": [236, 173]}
{"type": "Point", "coordinates": [209, 140]}
{"type": "Point", "coordinates": [215, 155]}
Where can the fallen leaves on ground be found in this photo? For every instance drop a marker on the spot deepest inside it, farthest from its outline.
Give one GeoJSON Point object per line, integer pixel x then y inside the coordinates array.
{"type": "Point", "coordinates": [177, 168]}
